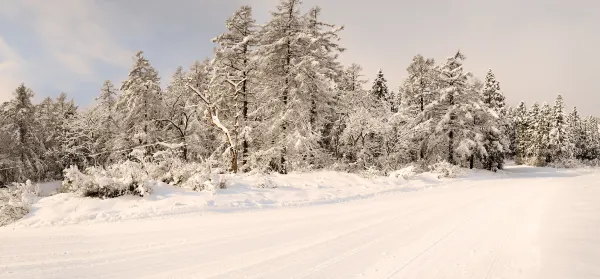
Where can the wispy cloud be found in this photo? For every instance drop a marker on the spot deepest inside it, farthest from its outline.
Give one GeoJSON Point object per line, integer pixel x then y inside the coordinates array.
{"type": "Point", "coordinates": [73, 32]}
{"type": "Point", "coordinates": [10, 70]}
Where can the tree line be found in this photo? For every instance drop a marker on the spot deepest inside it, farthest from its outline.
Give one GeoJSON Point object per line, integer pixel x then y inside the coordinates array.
{"type": "Point", "coordinates": [275, 98]}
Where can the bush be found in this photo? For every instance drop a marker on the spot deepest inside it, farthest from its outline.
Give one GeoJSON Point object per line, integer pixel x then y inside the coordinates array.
{"type": "Point", "coordinates": [406, 172]}
{"type": "Point", "coordinates": [445, 169]}
{"type": "Point", "coordinates": [128, 178]}
{"type": "Point", "coordinates": [567, 164]}
{"type": "Point", "coordinates": [16, 201]}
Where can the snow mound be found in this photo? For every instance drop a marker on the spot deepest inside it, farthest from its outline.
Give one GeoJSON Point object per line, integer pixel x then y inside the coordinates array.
{"type": "Point", "coordinates": [243, 192]}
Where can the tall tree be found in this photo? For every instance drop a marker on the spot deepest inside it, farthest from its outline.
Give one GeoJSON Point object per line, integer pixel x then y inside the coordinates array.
{"type": "Point", "coordinates": [522, 133]}
{"type": "Point", "coordinates": [297, 68]}
{"type": "Point", "coordinates": [380, 88]}
{"type": "Point", "coordinates": [492, 95]}
{"type": "Point", "coordinates": [452, 114]}
{"type": "Point", "coordinates": [24, 160]}
{"type": "Point", "coordinates": [561, 146]}
{"type": "Point", "coordinates": [237, 47]}
{"type": "Point", "coordinates": [577, 132]}
{"type": "Point", "coordinates": [140, 104]}
{"type": "Point", "coordinates": [418, 86]}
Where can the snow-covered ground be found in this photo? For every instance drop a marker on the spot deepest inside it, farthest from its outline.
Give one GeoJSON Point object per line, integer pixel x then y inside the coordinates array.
{"type": "Point", "coordinates": [520, 223]}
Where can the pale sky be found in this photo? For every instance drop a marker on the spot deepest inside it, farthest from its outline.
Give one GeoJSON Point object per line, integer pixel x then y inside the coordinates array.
{"type": "Point", "coordinates": [537, 48]}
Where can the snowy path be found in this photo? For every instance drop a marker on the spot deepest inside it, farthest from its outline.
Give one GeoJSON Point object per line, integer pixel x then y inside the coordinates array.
{"type": "Point", "coordinates": [516, 226]}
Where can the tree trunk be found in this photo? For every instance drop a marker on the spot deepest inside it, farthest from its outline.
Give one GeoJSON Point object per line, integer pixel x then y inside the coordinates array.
{"type": "Point", "coordinates": [450, 149]}
{"type": "Point", "coordinates": [472, 161]}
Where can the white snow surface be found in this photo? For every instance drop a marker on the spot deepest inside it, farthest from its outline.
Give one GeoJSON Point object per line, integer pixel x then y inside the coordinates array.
{"type": "Point", "coordinates": [519, 223]}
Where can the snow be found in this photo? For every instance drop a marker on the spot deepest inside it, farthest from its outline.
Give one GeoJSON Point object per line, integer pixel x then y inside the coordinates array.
{"type": "Point", "coordinates": [243, 193]}
{"type": "Point", "coordinates": [523, 222]}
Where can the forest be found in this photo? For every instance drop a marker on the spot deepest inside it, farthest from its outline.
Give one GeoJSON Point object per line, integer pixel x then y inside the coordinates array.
{"type": "Point", "coordinates": [275, 98]}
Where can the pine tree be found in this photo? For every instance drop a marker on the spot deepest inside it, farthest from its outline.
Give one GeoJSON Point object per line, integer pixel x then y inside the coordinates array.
{"type": "Point", "coordinates": [140, 104]}
{"type": "Point", "coordinates": [234, 57]}
{"type": "Point", "coordinates": [298, 66]}
{"type": "Point", "coordinates": [539, 148]}
{"type": "Point", "coordinates": [379, 89]}
{"type": "Point", "coordinates": [577, 132]}
{"type": "Point", "coordinates": [492, 96]}
{"type": "Point", "coordinates": [560, 141]}
{"type": "Point", "coordinates": [418, 87]}
{"type": "Point", "coordinates": [26, 150]}
{"type": "Point", "coordinates": [592, 139]}
{"type": "Point", "coordinates": [453, 114]}
{"type": "Point", "coordinates": [523, 134]}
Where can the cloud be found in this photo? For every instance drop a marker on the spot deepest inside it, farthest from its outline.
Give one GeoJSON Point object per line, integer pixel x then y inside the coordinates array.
{"type": "Point", "coordinates": [10, 70]}
{"type": "Point", "coordinates": [73, 33]}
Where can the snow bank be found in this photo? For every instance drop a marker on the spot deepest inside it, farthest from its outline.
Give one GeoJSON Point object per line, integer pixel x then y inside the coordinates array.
{"type": "Point", "coordinates": [244, 192]}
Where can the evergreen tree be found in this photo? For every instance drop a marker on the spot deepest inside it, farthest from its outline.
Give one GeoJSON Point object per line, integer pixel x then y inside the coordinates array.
{"type": "Point", "coordinates": [539, 148]}
{"type": "Point", "coordinates": [453, 115]}
{"type": "Point", "coordinates": [297, 61]}
{"type": "Point", "coordinates": [561, 147]}
{"type": "Point", "coordinates": [140, 105]}
{"type": "Point", "coordinates": [592, 139]}
{"type": "Point", "coordinates": [234, 57]}
{"type": "Point", "coordinates": [492, 96]}
{"type": "Point", "coordinates": [25, 154]}
{"type": "Point", "coordinates": [418, 88]}
{"type": "Point", "coordinates": [577, 132]}
{"type": "Point", "coordinates": [523, 134]}
{"type": "Point", "coordinates": [380, 89]}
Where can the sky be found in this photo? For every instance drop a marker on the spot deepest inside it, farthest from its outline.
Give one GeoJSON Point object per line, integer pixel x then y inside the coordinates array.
{"type": "Point", "coordinates": [536, 48]}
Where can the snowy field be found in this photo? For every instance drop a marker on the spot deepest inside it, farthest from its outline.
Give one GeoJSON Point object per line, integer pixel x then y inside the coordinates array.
{"type": "Point", "coordinates": [519, 223]}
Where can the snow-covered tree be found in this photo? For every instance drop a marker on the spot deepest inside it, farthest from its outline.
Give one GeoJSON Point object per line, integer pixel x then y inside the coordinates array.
{"type": "Point", "coordinates": [296, 72]}
{"type": "Point", "coordinates": [380, 88]}
{"type": "Point", "coordinates": [235, 59]}
{"type": "Point", "coordinates": [523, 129]}
{"type": "Point", "coordinates": [453, 115]}
{"type": "Point", "coordinates": [561, 142]}
{"type": "Point", "coordinates": [592, 139]}
{"type": "Point", "coordinates": [140, 105]}
{"type": "Point", "coordinates": [352, 79]}
{"type": "Point", "coordinates": [24, 158]}
{"type": "Point", "coordinates": [418, 88]}
{"type": "Point", "coordinates": [492, 95]}
{"type": "Point", "coordinates": [577, 132]}
{"type": "Point", "coordinates": [540, 144]}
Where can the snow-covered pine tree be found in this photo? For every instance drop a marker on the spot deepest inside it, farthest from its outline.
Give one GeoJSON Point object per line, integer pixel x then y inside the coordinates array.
{"type": "Point", "coordinates": [140, 104]}
{"type": "Point", "coordinates": [539, 148]}
{"type": "Point", "coordinates": [492, 95]}
{"type": "Point", "coordinates": [418, 91]}
{"type": "Point", "coordinates": [452, 114]}
{"type": "Point", "coordinates": [24, 158]}
{"type": "Point", "coordinates": [417, 88]}
{"type": "Point", "coordinates": [561, 143]}
{"type": "Point", "coordinates": [295, 72]}
{"type": "Point", "coordinates": [523, 135]}
{"type": "Point", "coordinates": [235, 59]}
{"type": "Point", "coordinates": [592, 139]}
{"type": "Point", "coordinates": [510, 132]}
{"type": "Point", "coordinates": [380, 89]}
{"type": "Point", "coordinates": [495, 134]}
{"type": "Point", "coordinates": [577, 132]}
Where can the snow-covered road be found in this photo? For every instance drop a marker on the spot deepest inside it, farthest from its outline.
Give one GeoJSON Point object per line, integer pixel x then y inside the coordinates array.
{"type": "Point", "coordinates": [527, 223]}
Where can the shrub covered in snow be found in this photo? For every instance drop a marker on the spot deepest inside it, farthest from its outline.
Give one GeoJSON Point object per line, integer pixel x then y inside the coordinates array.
{"type": "Point", "coordinates": [406, 172]}
{"type": "Point", "coordinates": [128, 178]}
{"type": "Point", "coordinates": [445, 169]}
{"type": "Point", "coordinates": [16, 200]}
{"type": "Point", "coordinates": [567, 164]}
